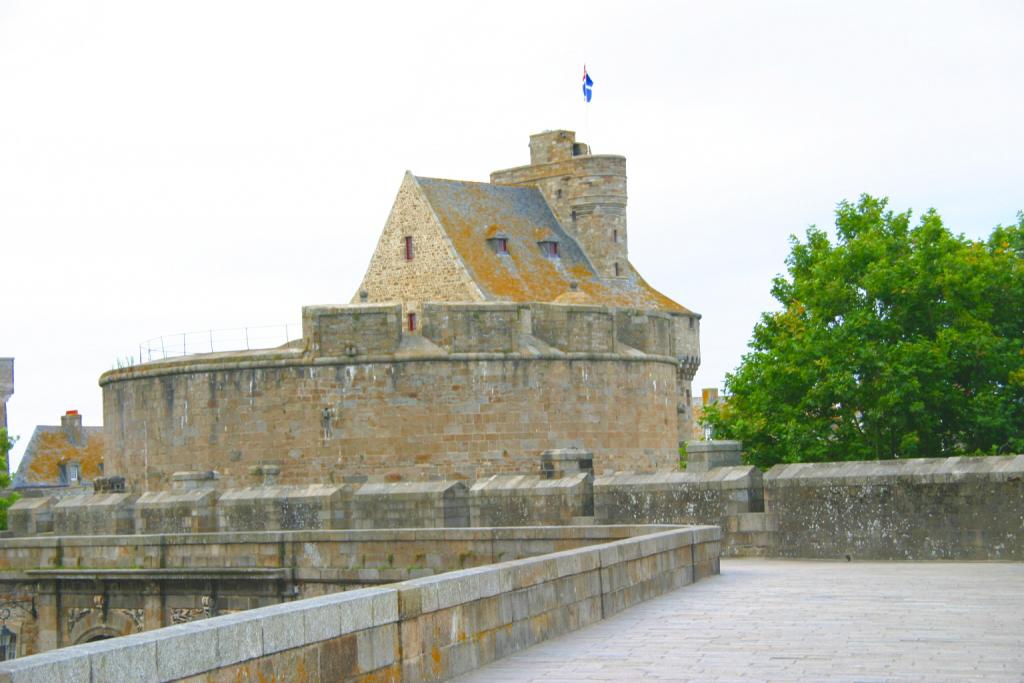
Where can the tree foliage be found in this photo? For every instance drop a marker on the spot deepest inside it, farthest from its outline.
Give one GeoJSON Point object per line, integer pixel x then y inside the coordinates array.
{"type": "Point", "coordinates": [6, 444]}
{"type": "Point", "coordinates": [896, 341]}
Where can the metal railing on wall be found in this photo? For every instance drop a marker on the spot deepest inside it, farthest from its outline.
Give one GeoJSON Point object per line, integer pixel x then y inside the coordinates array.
{"type": "Point", "coordinates": [211, 341]}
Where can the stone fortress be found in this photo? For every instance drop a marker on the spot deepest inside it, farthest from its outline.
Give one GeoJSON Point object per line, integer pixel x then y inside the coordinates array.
{"type": "Point", "coordinates": [495, 321]}
{"type": "Point", "coordinates": [477, 454]}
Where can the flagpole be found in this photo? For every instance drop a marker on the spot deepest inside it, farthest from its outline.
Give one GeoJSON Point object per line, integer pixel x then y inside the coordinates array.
{"type": "Point", "coordinates": [586, 106]}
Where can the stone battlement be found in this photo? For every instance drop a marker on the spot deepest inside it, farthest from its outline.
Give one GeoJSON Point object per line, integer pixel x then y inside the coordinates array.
{"type": "Point", "coordinates": [361, 332]}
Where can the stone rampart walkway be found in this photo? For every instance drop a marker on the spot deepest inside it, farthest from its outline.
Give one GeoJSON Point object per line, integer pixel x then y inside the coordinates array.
{"type": "Point", "coordinates": [778, 620]}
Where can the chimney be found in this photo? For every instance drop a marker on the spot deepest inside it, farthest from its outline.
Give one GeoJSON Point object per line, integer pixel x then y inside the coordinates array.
{"type": "Point", "coordinates": [71, 423]}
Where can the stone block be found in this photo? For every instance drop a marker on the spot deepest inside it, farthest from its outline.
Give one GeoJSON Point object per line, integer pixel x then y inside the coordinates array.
{"type": "Point", "coordinates": [97, 514]}
{"type": "Point", "coordinates": [186, 650]}
{"type": "Point", "coordinates": [282, 626]}
{"type": "Point", "coordinates": [239, 638]}
{"type": "Point", "coordinates": [128, 659]}
{"type": "Point", "coordinates": [185, 511]}
{"type": "Point", "coordinates": [356, 609]}
{"type": "Point", "coordinates": [291, 508]}
{"type": "Point", "coordinates": [67, 664]}
{"type": "Point", "coordinates": [410, 504]}
{"type": "Point", "coordinates": [31, 516]}
{"type": "Point", "coordinates": [702, 456]}
{"type": "Point", "coordinates": [321, 619]}
{"type": "Point", "coordinates": [520, 500]}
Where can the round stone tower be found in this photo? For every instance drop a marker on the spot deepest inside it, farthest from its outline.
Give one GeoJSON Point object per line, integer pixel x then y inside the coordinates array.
{"type": "Point", "coordinates": [587, 192]}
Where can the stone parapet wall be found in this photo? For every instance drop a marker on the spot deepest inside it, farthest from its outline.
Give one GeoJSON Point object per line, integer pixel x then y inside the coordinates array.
{"type": "Point", "coordinates": [99, 513]}
{"type": "Point", "coordinates": [331, 559]}
{"type": "Point", "coordinates": [176, 512]}
{"type": "Point", "coordinates": [521, 500]}
{"type": "Point", "coordinates": [922, 509]}
{"type": "Point", "coordinates": [412, 504]}
{"type": "Point", "coordinates": [424, 629]}
{"type": "Point", "coordinates": [272, 508]}
{"type": "Point", "coordinates": [31, 516]}
{"type": "Point", "coordinates": [956, 508]}
{"type": "Point", "coordinates": [715, 496]}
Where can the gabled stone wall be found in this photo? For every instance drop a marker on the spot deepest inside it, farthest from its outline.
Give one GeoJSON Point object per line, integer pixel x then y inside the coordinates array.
{"type": "Point", "coordinates": [433, 274]}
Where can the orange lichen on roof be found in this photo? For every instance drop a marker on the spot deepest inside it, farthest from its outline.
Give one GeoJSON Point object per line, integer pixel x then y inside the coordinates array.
{"type": "Point", "coordinates": [471, 213]}
{"type": "Point", "coordinates": [53, 449]}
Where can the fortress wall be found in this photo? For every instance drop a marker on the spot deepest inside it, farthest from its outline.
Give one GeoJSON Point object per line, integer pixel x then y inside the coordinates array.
{"type": "Point", "coordinates": [575, 329]}
{"type": "Point", "coordinates": [471, 329]}
{"type": "Point", "coordinates": [523, 500]}
{"type": "Point", "coordinates": [420, 413]}
{"type": "Point", "coordinates": [360, 329]}
{"type": "Point", "coordinates": [431, 628]}
{"type": "Point", "coordinates": [921, 509]}
{"type": "Point", "coordinates": [407, 420]}
{"type": "Point", "coordinates": [686, 338]}
{"type": "Point", "coordinates": [176, 512]}
{"type": "Point", "coordinates": [433, 504]}
{"type": "Point", "coordinates": [270, 508]}
{"type": "Point", "coordinates": [99, 513]}
{"type": "Point", "coordinates": [710, 497]}
{"type": "Point", "coordinates": [647, 331]}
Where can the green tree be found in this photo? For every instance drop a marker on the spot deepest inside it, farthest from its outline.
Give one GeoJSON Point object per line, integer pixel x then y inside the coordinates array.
{"type": "Point", "coordinates": [894, 342]}
{"type": "Point", "coordinates": [6, 444]}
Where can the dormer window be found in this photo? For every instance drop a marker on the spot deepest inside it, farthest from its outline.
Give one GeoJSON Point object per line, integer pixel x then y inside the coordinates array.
{"type": "Point", "coordinates": [499, 243]}
{"type": "Point", "coordinates": [69, 473]}
{"type": "Point", "coordinates": [549, 248]}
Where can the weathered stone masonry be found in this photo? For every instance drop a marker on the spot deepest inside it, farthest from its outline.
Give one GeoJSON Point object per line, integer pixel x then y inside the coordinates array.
{"type": "Point", "coordinates": [483, 390]}
{"type": "Point", "coordinates": [495, 321]}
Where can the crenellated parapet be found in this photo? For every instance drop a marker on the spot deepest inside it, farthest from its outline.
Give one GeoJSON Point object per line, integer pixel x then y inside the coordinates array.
{"type": "Point", "coordinates": [528, 329]}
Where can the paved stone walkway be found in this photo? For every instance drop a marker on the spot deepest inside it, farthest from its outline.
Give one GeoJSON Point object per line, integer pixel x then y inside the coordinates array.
{"type": "Point", "coordinates": [778, 620]}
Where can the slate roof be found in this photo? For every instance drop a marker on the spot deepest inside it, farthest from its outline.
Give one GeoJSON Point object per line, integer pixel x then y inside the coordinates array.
{"type": "Point", "coordinates": [49, 448]}
{"type": "Point", "coordinates": [471, 213]}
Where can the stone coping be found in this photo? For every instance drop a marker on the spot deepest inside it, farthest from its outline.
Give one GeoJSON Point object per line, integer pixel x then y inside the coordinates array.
{"type": "Point", "coordinates": [408, 488]}
{"type": "Point", "coordinates": [217, 643]}
{"type": "Point", "coordinates": [924, 470]}
{"type": "Point", "coordinates": [255, 360]}
{"type": "Point", "coordinates": [718, 446]}
{"type": "Point", "coordinates": [143, 574]}
{"type": "Point", "coordinates": [515, 483]}
{"type": "Point", "coordinates": [738, 477]}
{"type": "Point", "coordinates": [525, 533]}
{"type": "Point", "coordinates": [276, 491]}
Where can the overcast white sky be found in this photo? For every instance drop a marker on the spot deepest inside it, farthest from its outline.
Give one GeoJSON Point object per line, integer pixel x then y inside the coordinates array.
{"type": "Point", "coordinates": [179, 166]}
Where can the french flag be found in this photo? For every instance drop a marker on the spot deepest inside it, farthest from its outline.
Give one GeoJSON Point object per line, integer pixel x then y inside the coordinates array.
{"type": "Point", "coordinates": [588, 85]}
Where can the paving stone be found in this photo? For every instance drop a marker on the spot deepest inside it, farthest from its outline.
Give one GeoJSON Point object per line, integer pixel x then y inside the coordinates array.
{"type": "Point", "coordinates": [790, 620]}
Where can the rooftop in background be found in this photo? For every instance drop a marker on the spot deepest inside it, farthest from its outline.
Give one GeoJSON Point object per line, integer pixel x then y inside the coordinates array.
{"type": "Point", "coordinates": [67, 456]}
